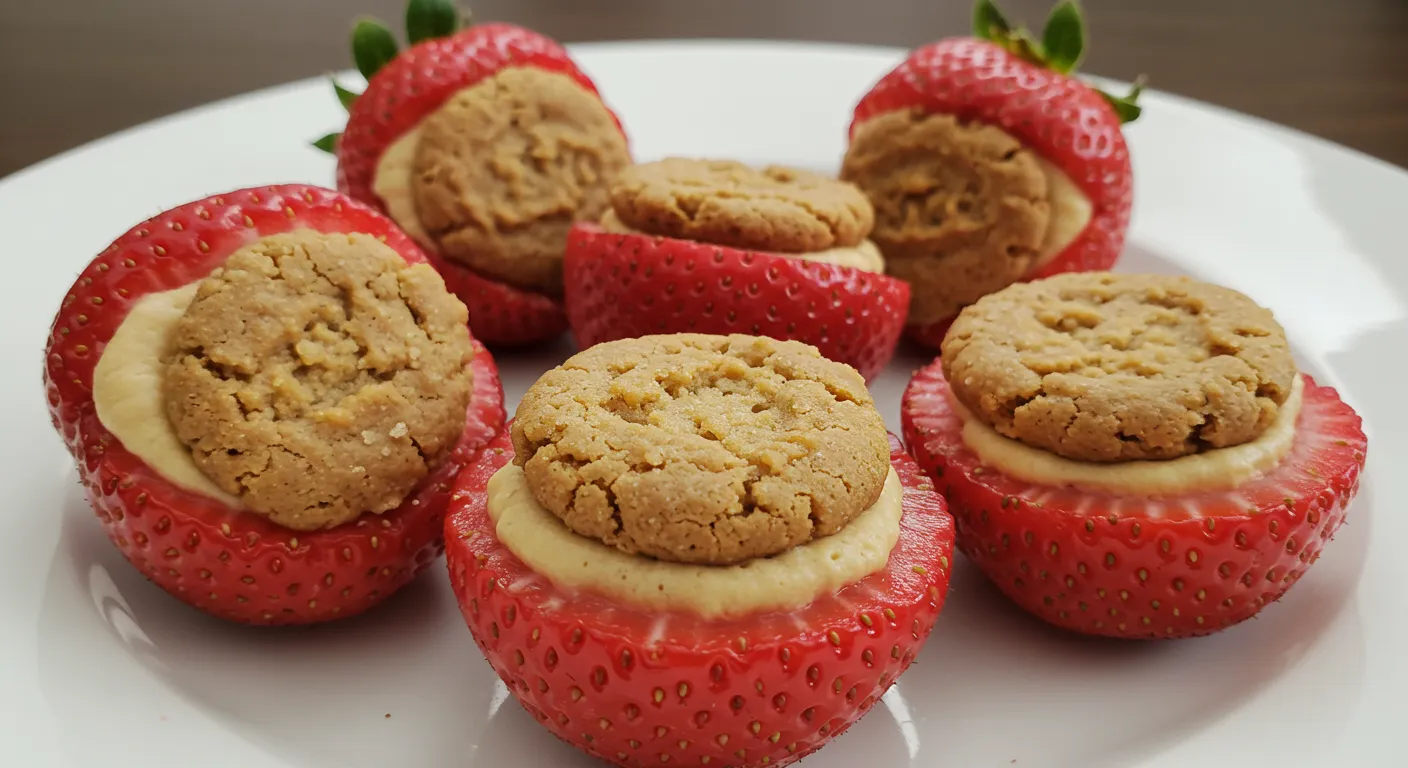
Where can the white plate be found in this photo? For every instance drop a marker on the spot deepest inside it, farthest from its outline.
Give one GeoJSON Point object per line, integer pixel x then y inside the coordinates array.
{"type": "Point", "coordinates": [97, 667]}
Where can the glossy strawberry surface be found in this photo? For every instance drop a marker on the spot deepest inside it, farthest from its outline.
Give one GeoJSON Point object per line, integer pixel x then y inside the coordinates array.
{"type": "Point", "coordinates": [227, 562]}
{"type": "Point", "coordinates": [641, 688]}
{"type": "Point", "coordinates": [1143, 567]}
{"type": "Point", "coordinates": [626, 285]}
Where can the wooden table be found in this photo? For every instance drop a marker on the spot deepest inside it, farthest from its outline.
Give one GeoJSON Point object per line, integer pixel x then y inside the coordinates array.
{"type": "Point", "coordinates": [76, 70]}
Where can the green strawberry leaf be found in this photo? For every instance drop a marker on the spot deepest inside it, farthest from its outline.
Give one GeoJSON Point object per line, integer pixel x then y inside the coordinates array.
{"type": "Point", "coordinates": [988, 21]}
{"type": "Point", "coordinates": [372, 46]}
{"type": "Point", "coordinates": [344, 96]}
{"type": "Point", "coordinates": [426, 19]}
{"type": "Point", "coordinates": [1127, 107]}
{"type": "Point", "coordinates": [1063, 39]}
{"type": "Point", "coordinates": [328, 143]}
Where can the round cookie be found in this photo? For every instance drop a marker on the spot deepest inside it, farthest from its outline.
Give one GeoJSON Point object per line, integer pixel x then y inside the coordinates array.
{"type": "Point", "coordinates": [702, 449]}
{"type": "Point", "coordinates": [319, 377]}
{"type": "Point", "coordinates": [961, 209]}
{"type": "Point", "coordinates": [728, 203]}
{"type": "Point", "coordinates": [504, 168]}
{"type": "Point", "coordinates": [1103, 367]}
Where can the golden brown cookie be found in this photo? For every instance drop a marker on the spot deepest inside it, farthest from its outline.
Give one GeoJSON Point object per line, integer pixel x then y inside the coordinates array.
{"type": "Point", "coordinates": [505, 168]}
{"type": "Point", "coordinates": [1103, 367]}
{"type": "Point", "coordinates": [961, 209]}
{"type": "Point", "coordinates": [728, 203]}
{"type": "Point", "coordinates": [318, 377]}
{"type": "Point", "coordinates": [702, 449]}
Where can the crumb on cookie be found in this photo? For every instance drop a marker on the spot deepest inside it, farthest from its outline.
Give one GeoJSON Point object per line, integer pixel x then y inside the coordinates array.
{"type": "Point", "coordinates": [961, 209]}
{"type": "Point", "coordinates": [319, 377]}
{"type": "Point", "coordinates": [1111, 367]}
{"type": "Point", "coordinates": [724, 202]}
{"type": "Point", "coordinates": [702, 449]}
{"type": "Point", "coordinates": [505, 167]}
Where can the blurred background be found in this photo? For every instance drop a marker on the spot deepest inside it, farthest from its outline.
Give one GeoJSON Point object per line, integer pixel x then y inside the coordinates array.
{"type": "Point", "coordinates": [75, 70]}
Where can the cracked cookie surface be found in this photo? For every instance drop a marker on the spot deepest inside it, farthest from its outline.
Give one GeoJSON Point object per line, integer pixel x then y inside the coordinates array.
{"type": "Point", "coordinates": [961, 210]}
{"type": "Point", "coordinates": [1111, 367]}
{"type": "Point", "coordinates": [505, 167]}
{"type": "Point", "coordinates": [728, 203]}
{"type": "Point", "coordinates": [702, 449]}
{"type": "Point", "coordinates": [319, 377]}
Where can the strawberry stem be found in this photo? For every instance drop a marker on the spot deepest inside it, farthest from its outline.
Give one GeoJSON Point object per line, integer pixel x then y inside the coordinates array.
{"type": "Point", "coordinates": [373, 46]}
{"type": "Point", "coordinates": [328, 143]}
{"type": "Point", "coordinates": [426, 19]}
{"type": "Point", "coordinates": [1127, 106]}
{"type": "Point", "coordinates": [344, 96]}
{"type": "Point", "coordinates": [1062, 43]}
{"type": "Point", "coordinates": [1063, 38]}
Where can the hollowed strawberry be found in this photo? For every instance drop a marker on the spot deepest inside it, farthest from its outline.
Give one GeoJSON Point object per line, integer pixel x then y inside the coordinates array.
{"type": "Point", "coordinates": [1141, 567]}
{"type": "Point", "coordinates": [638, 688]}
{"type": "Point", "coordinates": [403, 88]}
{"type": "Point", "coordinates": [231, 563]}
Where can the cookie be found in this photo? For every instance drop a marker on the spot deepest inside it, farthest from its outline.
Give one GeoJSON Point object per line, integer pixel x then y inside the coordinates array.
{"type": "Point", "coordinates": [728, 203]}
{"type": "Point", "coordinates": [319, 377]}
{"type": "Point", "coordinates": [961, 209]}
{"type": "Point", "coordinates": [1104, 368]}
{"type": "Point", "coordinates": [504, 168]}
{"type": "Point", "coordinates": [702, 449]}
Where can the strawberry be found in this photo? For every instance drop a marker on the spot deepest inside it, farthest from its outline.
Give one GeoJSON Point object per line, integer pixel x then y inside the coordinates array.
{"type": "Point", "coordinates": [1005, 78]}
{"type": "Point", "coordinates": [229, 563]}
{"type": "Point", "coordinates": [404, 87]}
{"type": "Point", "coordinates": [638, 688]}
{"type": "Point", "coordinates": [1174, 566]}
{"type": "Point", "coordinates": [627, 285]}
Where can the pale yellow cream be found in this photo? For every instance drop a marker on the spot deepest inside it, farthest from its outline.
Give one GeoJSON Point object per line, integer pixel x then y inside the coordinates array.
{"type": "Point", "coordinates": [865, 256]}
{"type": "Point", "coordinates": [1071, 211]}
{"type": "Point", "coordinates": [127, 391]}
{"type": "Point", "coordinates": [1217, 469]}
{"type": "Point", "coordinates": [787, 581]}
{"type": "Point", "coordinates": [392, 183]}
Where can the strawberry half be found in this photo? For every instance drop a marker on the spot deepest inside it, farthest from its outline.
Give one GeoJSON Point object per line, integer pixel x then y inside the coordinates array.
{"type": "Point", "coordinates": [403, 88]}
{"type": "Point", "coordinates": [628, 285]}
{"type": "Point", "coordinates": [1006, 78]}
{"type": "Point", "coordinates": [1165, 567]}
{"type": "Point", "coordinates": [638, 688]}
{"type": "Point", "coordinates": [234, 564]}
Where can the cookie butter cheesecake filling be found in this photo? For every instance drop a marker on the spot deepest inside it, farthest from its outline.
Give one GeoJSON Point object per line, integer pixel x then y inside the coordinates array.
{"type": "Point", "coordinates": [494, 178]}
{"type": "Point", "coordinates": [310, 379]}
{"type": "Point", "coordinates": [723, 475]}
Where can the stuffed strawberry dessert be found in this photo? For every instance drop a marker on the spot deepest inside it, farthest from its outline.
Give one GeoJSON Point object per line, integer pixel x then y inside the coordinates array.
{"type": "Point", "coordinates": [698, 550]}
{"type": "Point", "coordinates": [989, 163]}
{"type": "Point", "coordinates": [1133, 456]}
{"type": "Point", "coordinates": [715, 246]}
{"type": "Point", "coordinates": [484, 144]}
{"type": "Point", "coordinates": [268, 394]}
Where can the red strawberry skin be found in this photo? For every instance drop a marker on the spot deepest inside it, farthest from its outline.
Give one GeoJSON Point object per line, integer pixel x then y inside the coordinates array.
{"type": "Point", "coordinates": [648, 689]}
{"type": "Point", "coordinates": [237, 565]}
{"type": "Point", "coordinates": [1177, 566]}
{"type": "Point", "coordinates": [1058, 117]}
{"type": "Point", "coordinates": [627, 285]}
{"type": "Point", "coordinates": [414, 84]}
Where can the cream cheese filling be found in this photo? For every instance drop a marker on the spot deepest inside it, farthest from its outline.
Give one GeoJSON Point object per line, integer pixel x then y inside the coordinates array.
{"type": "Point", "coordinates": [128, 392]}
{"type": "Point", "coordinates": [864, 256]}
{"type": "Point", "coordinates": [1071, 212]}
{"type": "Point", "coordinates": [392, 182]}
{"type": "Point", "coordinates": [1218, 469]}
{"type": "Point", "coordinates": [787, 581]}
